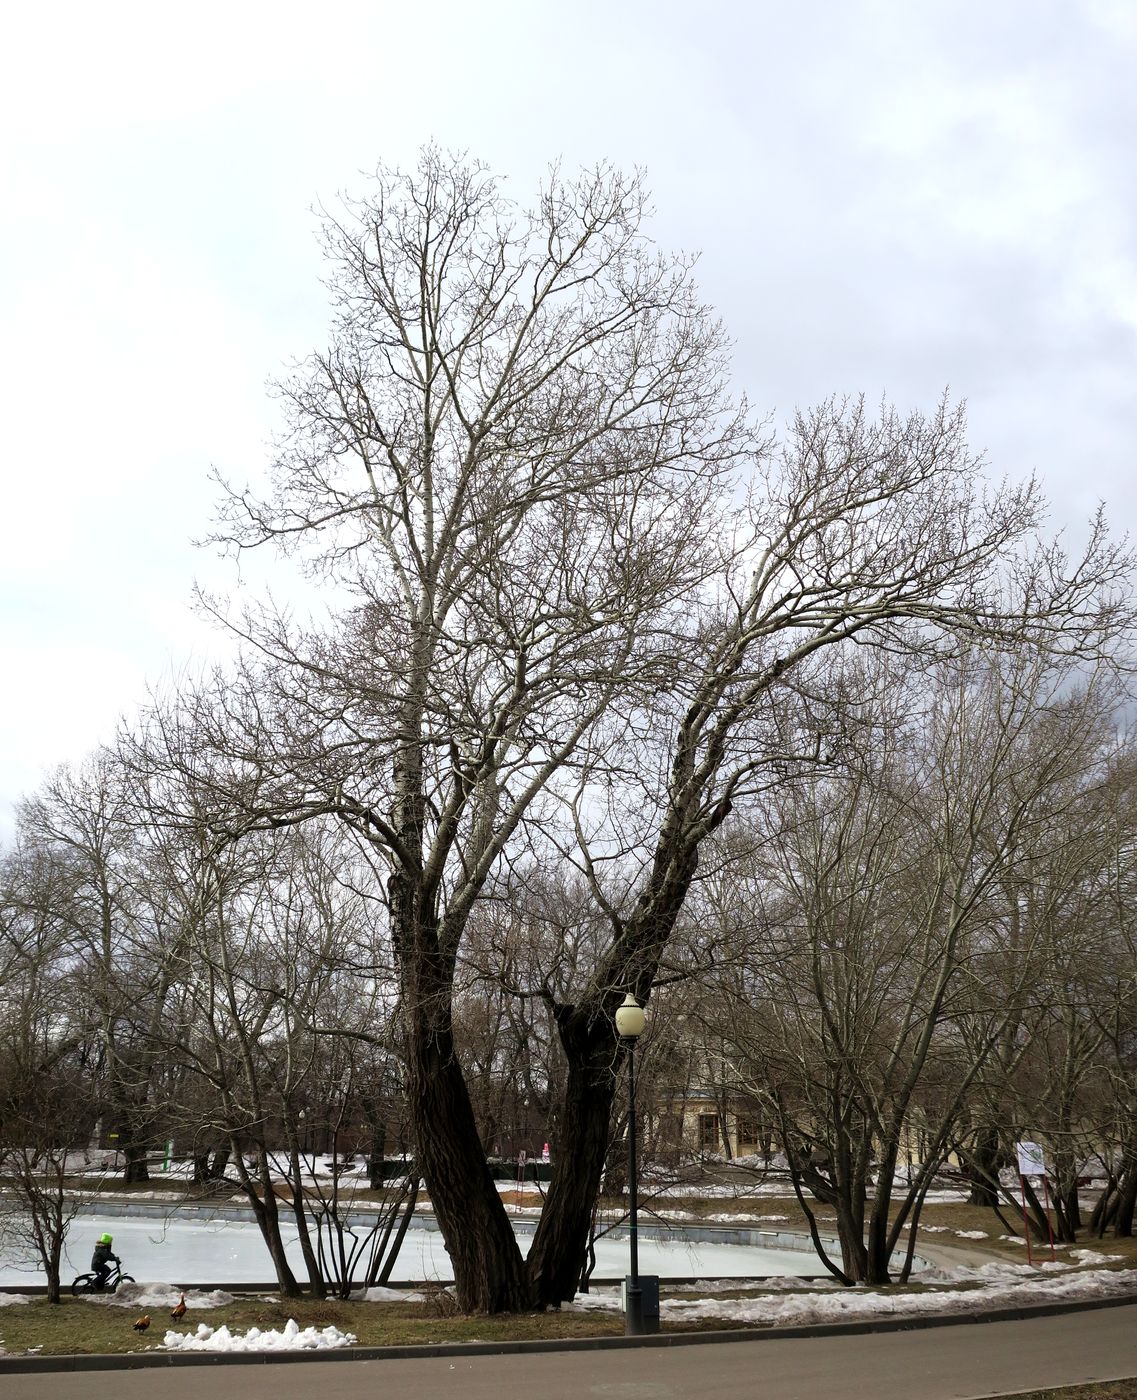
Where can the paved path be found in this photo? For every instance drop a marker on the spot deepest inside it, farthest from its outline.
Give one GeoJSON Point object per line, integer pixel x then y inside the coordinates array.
{"type": "Point", "coordinates": [941, 1363]}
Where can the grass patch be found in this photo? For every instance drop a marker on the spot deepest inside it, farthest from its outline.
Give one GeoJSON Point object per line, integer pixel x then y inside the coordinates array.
{"type": "Point", "coordinates": [78, 1327]}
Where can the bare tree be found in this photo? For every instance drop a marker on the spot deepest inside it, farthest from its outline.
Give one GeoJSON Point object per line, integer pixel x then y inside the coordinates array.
{"type": "Point", "coordinates": [49, 1097]}
{"type": "Point", "coordinates": [894, 961]}
{"type": "Point", "coordinates": [508, 455]}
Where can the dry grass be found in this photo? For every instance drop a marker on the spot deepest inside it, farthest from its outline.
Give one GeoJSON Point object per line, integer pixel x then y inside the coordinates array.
{"type": "Point", "coordinates": [76, 1326]}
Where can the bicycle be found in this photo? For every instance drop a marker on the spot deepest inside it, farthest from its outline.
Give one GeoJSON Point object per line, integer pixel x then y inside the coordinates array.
{"type": "Point", "coordinates": [89, 1283]}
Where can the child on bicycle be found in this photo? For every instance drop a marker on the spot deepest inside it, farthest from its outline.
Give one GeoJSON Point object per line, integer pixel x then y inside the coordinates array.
{"type": "Point", "coordinates": [101, 1260]}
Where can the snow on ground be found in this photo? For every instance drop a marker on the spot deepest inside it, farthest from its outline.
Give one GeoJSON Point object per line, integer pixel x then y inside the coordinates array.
{"type": "Point", "coordinates": [7, 1299]}
{"type": "Point", "coordinates": [292, 1337]}
{"type": "Point", "coordinates": [158, 1295]}
{"type": "Point", "coordinates": [740, 1218]}
{"type": "Point", "coordinates": [994, 1286]}
{"type": "Point", "coordinates": [768, 1285]}
{"type": "Point", "coordinates": [386, 1295]}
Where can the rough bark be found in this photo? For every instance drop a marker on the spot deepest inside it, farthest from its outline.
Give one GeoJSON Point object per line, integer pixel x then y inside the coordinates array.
{"type": "Point", "coordinates": [558, 1254]}
{"type": "Point", "coordinates": [489, 1275]}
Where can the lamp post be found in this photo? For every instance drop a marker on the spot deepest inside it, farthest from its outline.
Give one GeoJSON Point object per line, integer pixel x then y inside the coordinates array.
{"type": "Point", "coordinates": [630, 1023]}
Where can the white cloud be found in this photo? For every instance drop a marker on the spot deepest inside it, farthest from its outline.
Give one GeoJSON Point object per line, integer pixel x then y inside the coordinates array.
{"type": "Point", "coordinates": [889, 198]}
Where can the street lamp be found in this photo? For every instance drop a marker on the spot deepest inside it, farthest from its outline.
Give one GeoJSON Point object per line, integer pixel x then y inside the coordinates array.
{"type": "Point", "coordinates": [630, 1023]}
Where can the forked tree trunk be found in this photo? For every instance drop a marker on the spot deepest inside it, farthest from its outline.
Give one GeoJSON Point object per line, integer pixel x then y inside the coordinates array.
{"type": "Point", "coordinates": [267, 1216]}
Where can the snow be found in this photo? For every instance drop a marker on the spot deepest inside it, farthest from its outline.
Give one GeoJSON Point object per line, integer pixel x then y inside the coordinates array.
{"type": "Point", "coordinates": [158, 1295]}
{"type": "Point", "coordinates": [743, 1219]}
{"type": "Point", "coordinates": [387, 1295]}
{"type": "Point", "coordinates": [292, 1337]}
{"type": "Point", "coordinates": [995, 1285]}
{"type": "Point", "coordinates": [8, 1299]}
{"type": "Point", "coordinates": [1091, 1256]}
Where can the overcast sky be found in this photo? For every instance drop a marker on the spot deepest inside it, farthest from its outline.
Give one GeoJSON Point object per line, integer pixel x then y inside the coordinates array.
{"type": "Point", "coordinates": [888, 197]}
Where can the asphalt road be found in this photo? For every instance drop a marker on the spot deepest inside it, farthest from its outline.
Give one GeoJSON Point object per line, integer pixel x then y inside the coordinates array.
{"type": "Point", "coordinates": [941, 1363]}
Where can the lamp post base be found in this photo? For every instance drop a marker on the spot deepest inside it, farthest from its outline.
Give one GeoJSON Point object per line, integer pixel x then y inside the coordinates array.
{"type": "Point", "coordinates": [633, 1311]}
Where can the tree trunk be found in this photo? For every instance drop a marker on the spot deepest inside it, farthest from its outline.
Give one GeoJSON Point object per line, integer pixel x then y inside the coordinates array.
{"type": "Point", "coordinates": [489, 1275]}
{"type": "Point", "coordinates": [1068, 1211]}
{"type": "Point", "coordinates": [558, 1254]}
{"type": "Point", "coordinates": [134, 1165]}
{"type": "Point", "coordinates": [386, 1262]}
{"type": "Point", "coordinates": [1126, 1203]}
{"type": "Point", "coordinates": [267, 1215]}
{"type": "Point", "coordinates": [981, 1167]}
{"type": "Point", "coordinates": [375, 1156]}
{"type": "Point", "coordinates": [316, 1281]}
{"type": "Point", "coordinates": [854, 1255]}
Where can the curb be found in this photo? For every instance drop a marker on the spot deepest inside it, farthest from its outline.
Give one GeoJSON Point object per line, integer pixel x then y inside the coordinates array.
{"type": "Point", "coordinates": [151, 1360]}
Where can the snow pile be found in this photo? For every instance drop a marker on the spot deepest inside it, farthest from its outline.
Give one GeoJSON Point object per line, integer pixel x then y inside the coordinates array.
{"type": "Point", "coordinates": [292, 1338]}
{"type": "Point", "coordinates": [379, 1294]}
{"type": "Point", "coordinates": [386, 1295]}
{"type": "Point", "coordinates": [972, 1234]}
{"type": "Point", "coordinates": [158, 1296]}
{"type": "Point", "coordinates": [1091, 1256]}
{"type": "Point", "coordinates": [7, 1299]}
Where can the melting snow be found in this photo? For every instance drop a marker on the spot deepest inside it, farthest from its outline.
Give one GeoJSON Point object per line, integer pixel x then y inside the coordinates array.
{"type": "Point", "coordinates": [386, 1295]}
{"type": "Point", "coordinates": [998, 1286]}
{"type": "Point", "coordinates": [291, 1338]}
{"type": "Point", "coordinates": [158, 1295]}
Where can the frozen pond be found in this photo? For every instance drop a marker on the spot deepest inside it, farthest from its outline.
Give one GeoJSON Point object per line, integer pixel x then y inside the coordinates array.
{"type": "Point", "coordinates": [227, 1251]}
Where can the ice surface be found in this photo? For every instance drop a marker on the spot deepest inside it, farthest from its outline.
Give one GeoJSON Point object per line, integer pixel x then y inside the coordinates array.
{"type": "Point", "coordinates": [227, 1251]}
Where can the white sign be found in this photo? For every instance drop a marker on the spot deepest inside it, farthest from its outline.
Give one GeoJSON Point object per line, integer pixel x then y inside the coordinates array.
{"type": "Point", "coordinates": [1030, 1159]}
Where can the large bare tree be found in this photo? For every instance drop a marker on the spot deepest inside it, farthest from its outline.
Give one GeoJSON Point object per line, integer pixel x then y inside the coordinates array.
{"type": "Point", "coordinates": [509, 456]}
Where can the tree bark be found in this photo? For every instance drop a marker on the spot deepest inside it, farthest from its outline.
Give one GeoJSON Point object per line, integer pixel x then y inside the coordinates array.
{"type": "Point", "coordinates": [489, 1275]}
{"type": "Point", "coordinates": [559, 1251]}
{"type": "Point", "coordinates": [981, 1166]}
{"type": "Point", "coordinates": [1126, 1203]}
{"type": "Point", "coordinates": [267, 1216]}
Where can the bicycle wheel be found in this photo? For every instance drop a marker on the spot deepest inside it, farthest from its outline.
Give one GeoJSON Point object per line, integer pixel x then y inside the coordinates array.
{"type": "Point", "coordinates": [122, 1278]}
{"type": "Point", "coordinates": [85, 1283]}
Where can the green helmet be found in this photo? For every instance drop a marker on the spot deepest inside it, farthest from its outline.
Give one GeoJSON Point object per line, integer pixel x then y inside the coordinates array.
{"type": "Point", "coordinates": [105, 1239]}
